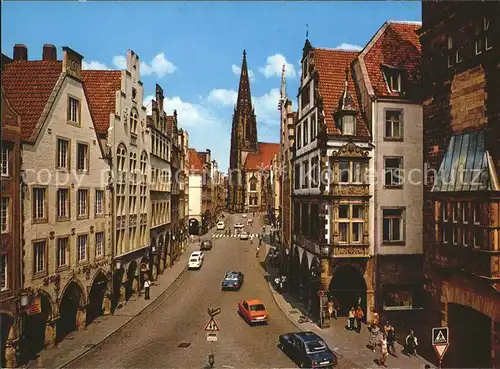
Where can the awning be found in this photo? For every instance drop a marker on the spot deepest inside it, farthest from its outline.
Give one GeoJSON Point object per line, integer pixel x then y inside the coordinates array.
{"type": "Point", "coordinates": [466, 166]}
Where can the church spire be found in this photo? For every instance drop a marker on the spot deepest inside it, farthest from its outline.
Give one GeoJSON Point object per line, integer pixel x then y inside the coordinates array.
{"type": "Point", "coordinates": [244, 101]}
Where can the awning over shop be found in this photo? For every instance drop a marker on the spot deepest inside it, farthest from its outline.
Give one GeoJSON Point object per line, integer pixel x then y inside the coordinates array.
{"type": "Point", "coordinates": [466, 166]}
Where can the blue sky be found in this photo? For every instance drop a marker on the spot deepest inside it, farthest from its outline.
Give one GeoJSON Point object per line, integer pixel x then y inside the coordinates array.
{"type": "Point", "coordinates": [194, 50]}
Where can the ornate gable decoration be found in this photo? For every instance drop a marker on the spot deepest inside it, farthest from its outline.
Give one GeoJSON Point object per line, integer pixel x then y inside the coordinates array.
{"type": "Point", "coordinates": [350, 150]}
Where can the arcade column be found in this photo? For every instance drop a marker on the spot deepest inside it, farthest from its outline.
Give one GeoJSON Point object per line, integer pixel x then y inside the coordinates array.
{"type": "Point", "coordinates": [11, 346]}
{"type": "Point", "coordinates": [50, 333]}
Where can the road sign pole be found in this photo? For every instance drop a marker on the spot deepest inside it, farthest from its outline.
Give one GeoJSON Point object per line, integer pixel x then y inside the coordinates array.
{"type": "Point", "coordinates": [440, 361]}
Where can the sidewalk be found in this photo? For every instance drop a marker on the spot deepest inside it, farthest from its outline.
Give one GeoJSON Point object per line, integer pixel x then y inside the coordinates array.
{"type": "Point", "coordinates": [347, 344]}
{"type": "Point", "coordinates": [77, 344]}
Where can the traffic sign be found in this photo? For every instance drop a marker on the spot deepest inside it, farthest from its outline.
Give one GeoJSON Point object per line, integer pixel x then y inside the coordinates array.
{"type": "Point", "coordinates": [211, 326]}
{"type": "Point", "coordinates": [440, 341]}
{"type": "Point", "coordinates": [321, 293]}
{"type": "Point", "coordinates": [212, 337]}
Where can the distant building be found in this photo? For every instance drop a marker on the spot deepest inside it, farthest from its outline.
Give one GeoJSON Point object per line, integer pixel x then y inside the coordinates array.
{"type": "Point", "coordinates": [460, 69]}
{"type": "Point", "coordinates": [249, 159]}
{"type": "Point", "coordinates": [200, 192]}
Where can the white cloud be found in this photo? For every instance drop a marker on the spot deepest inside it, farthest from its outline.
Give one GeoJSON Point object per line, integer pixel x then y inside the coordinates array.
{"type": "Point", "coordinates": [222, 97]}
{"type": "Point", "coordinates": [349, 47]}
{"type": "Point", "coordinates": [266, 107]}
{"type": "Point", "coordinates": [237, 71]}
{"type": "Point", "coordinates": [94, 65]}
{"type": "Point", "coordinates": [274, 67]}
{"type": "Point", "coordinates": [120, 62]}
{"type": "Point", "coordinates": [160, 66]}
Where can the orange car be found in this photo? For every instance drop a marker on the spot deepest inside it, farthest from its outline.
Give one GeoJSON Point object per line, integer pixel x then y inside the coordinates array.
{"type": "Point", "coordinates": [253, 311]}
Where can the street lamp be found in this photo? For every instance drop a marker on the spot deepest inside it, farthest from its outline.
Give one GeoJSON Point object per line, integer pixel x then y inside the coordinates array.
{"type": "Point", "coordinates": [118, 264]}
{"type": "Point", "coordinates": [24, 301]}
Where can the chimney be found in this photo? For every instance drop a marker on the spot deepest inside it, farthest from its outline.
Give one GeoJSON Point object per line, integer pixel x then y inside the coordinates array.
{"type": "Point", "coordinates": [20, 52]}
{"type": "Point", "coordinates": [49, 53]}
{"type": "Point", "coordinates": [72, 63]}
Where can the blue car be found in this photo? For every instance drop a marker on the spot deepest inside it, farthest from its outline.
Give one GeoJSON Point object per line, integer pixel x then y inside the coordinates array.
{"type": "Point", "coordinates": [307, 349]}
{"type": "Point", "coordinates": [233, 281]}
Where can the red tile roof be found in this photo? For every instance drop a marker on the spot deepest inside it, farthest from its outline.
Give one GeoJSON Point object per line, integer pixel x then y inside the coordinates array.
{"type": "Point", "coordinates": [100, 90]}
{"type": "Point", "coordinates": [195, 163]}
{"type": "Point", "coordinates": [398, 46]}
{"type": "Point", "coordinates": [262, 159]}
{"type": "Point", "coordinates": [331, 65]}
{"type": "Point", "coordinates": [28, 85]}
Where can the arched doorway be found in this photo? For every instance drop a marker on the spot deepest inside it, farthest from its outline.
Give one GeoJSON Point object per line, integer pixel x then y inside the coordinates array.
{"type": "Point", "coordinates": [68, 310]}
{"type": "Point", "coordinates": [347, 287]}
{"type": "Point", "coordinates": [129, 286]}
{"type": "Point", "coordinates": [470, 331]}
{"type": "Point", "coordinates": [295, 270]}
{"type": "Point", "coordinates": [6, 322]}
{"type": "Point", "coordinates": [304, 279]}
{"type": "Point", "coordinates": [37, 323]}
{"type": "Point", "coordinates": [96, 297]}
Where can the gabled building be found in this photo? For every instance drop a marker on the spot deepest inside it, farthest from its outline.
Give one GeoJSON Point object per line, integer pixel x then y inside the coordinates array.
{"type": "Point", "coordinates": [332, 246]}
{"type": "Point", "coordinates": [115, 100]}
{"type": "Point", "coordinates": [461, 79]}
{"type": "Point", "coordinates": [200, 195]}
{"type": "Point", "coordinates": [10, 227]}
{"type": "Point", "coordinates": [387, 74]}
{"type": "Point", "coordinates": [66, 201]}
{"type": "Point", "coordinates": [173, 134]}
{"type": "Point", "coordinates": [161, 183]}
{"type": "Point", "coordinates": [249, 159]}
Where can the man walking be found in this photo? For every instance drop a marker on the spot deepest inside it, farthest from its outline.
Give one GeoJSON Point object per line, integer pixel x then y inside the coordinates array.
{"type": "Point", "coordinates": [359, 317]}
{"type": "Point", "coordinates": [147, 285]}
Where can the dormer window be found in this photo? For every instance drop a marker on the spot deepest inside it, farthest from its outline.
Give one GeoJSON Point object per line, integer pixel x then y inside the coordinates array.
{"type": "Point", "coordinates": [348, 125]}
{"type": "Point", "coordinates": [393, 77]}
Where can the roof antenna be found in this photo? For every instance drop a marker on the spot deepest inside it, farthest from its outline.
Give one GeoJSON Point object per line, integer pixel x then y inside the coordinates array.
{"type": "Point", "coordinates": [307, 30]}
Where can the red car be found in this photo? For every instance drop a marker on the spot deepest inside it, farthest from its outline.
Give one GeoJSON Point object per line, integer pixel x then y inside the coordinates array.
{"type": "Point", "coordinates": [253, 311]}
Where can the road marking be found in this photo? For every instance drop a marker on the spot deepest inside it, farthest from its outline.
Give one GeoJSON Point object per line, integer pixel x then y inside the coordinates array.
{"type": "Point", "coordinates": [228, 366]}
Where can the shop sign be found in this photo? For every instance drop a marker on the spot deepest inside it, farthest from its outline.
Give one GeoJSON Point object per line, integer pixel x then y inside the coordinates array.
{"type": "Point", "coordinates": [398, 300]}
{"type": "Point", "coordinates": [35, 307]}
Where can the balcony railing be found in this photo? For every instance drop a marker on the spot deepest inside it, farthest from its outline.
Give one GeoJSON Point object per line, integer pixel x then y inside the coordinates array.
{"type": "Point", "coordinates": [349, 189]}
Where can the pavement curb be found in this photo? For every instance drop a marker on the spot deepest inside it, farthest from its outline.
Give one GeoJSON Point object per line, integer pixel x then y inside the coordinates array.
{"type": "Point", "coordinates": [124, 324]}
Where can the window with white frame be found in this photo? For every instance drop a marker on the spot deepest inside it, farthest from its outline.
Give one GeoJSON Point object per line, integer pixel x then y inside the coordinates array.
{"type": "Point", "coordinates": [62, 154]}
{"type": "Point", "coordinates": [351, 223]}
{"type": "Point", "coordinates": [298, 136]}
{"type": "Point", "coordinates": [73, 110]}
{"type": "Point", "coordinates": [5, 160]}
{"type": "Point", "coordinates": [62, 203]}
{"type": "Point", "coordinates": [315, 171]}
{"type": "Point", "coordinates": [454, 56]}
{"type": "Point", "coordinates": [344, 171]}
{"type": "Point", "coordinates": [351, 172]}
{"type": "Point", "coordinates": [444, 233]}
{"type": "Point", "coordinates": [4, 215]}
{"type": "Point", "coordinates": [454, 235]}
{"type": "Point", "coordinates": [134, 117]}
{"type": "Point", "coordinates": [465, 212]}
{"type": "Point", "coordinates": [482, 42]}
{"type": "Point", "coordinates": [393, 124]}
{"type": "Point", "coordinates": [82, 157]}
{"type": "Point", "coordinates": [393, 78]}
{"type": "Point", "coordinates": [444, 211]}
{"type": "Point", "coordinates": [62, 257]}
{"type": "Point", "coordinates": [393, 225]}
{"type": "Point", "coordinates": [465, 237]}
{"type": "Point", "coordinates": [121, 157]}
{"type": "Point", "coordinates": [4, 273]}
{"type": "Point", "coordinates": [348, 125]}
{"type": "Point", "coordinates": [313, 126]}
{"type": "Point", "coordinates": [477, 213]}
{"type": "Point", "coordinates": [392, 170]}
{"type": "Point", "coordinates": [99, 202]}
{"type": "Point", "coordinates": [39, 203]}
{"type": "Point", "coordinates": [455, 211]}
{"type": "Point", "coordinates": [305, 134]}
{"type": "Point", "coordinates": [305, 174]}
{"type": "Point", "coordinates": [99, 244]}
{"type": "Point", "coordinates": [39, 249]}
{"type": "Point", "coordinates": [83, 206]}
{"type": "Point", "coordinates": [81, 248]}
{"type": "Point", "coordinates": [144, 163]}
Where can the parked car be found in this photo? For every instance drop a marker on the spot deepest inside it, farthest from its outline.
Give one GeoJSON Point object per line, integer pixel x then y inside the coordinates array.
{"type": "Point", "coordinates": [253, 311]}
{"type": "Point", "coordinates": [244, 235]}
{"type": "Point", "coordinates": [250, 221]}
{"type": "Point", "coordinates": [243, 215]}
{"type": "Point", "coordinates": [206, 245]}
{"type": "Point", "coordinates": [238, 225]}
{"type": "Point", "coordinates": [195, 262]}
{"type": "Point", "coordinates": [307, 349]}
{"type": "Point", "coordinates": [233, 280]}
{"type": "Point", "coordinates": [220, 226]}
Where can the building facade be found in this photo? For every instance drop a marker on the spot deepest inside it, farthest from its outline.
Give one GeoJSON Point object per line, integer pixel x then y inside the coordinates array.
{"type": "Point", "coordinates": [200, 195]}
{"type": "Point", "coordinates": [161, 184]}
{"type": "Point", "coordinates": [183, 179]}
{"type": "Point", "coordinates": [332, 246]}
{"type": "Point", "coordinates": [387, 74]}
{"type": "Point", "coordinates": [173, 132]}
{"type": "Point", "coordinates": [115, 99]}
{"type": "Point", "coordinates": [65, 197]}
{"type": "Point", "coordinates": [10, 227]}
{"type": "Point", "coordinates": [461, 79]}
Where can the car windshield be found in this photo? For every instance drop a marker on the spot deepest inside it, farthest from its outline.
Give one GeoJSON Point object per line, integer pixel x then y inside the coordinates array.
{"type": "Point", "coordinates": [315, 346]}
{"type": "Point", "coordinates": [194, 260]}
{"type": "Point", "coordinates": [206, 242]}
{"type": "Point", "coordinates": [232, 277]}
{"type": "Point", "coordinates": [257, 307]}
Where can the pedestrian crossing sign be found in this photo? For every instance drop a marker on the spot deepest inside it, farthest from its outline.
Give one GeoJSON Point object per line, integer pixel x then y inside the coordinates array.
{"type": "Point", "coordinates": [212, 326]}
{"type": "Point", "coordinates": [440, 340]}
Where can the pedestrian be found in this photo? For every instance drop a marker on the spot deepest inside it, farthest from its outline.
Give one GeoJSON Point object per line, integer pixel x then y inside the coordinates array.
{"type": "Point", "coordinates": [147, 285]}
{"type": "Point", "coordinates": [350, 322]}
{"type": "Point", "coordinates": [251, 238]}
{"type": "Point", "coordinates": [411, 343]}
{"type": "Point", "coordinates": [257, 251]}
{"type": "Point", "coordinates": [383, 350]}
{"type": "Point", "coordinates": [359, 317]}
{"type": "Point", "coordinates": [391, 338]}
{"type": "Point", "coordinates": [330, 309]}
{"type": "Point", "coordinates": [260, 240]}
{"type": "Point", "coordinates": [375, 318]}
{"type": "Point", "coordinates": [374, 337]}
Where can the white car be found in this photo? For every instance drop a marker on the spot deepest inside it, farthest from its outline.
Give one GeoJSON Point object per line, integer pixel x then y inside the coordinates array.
{"type": "Point", "coordinates": [244, 235]}
{"type": "Point", "coordinates": [243, 215]}
{"type": "Point", "coordinates": [195, 260]}
{"type": "Point", "coordinates": [221, 226]}
{"type": "Point", "coordinates": [238, 225]}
